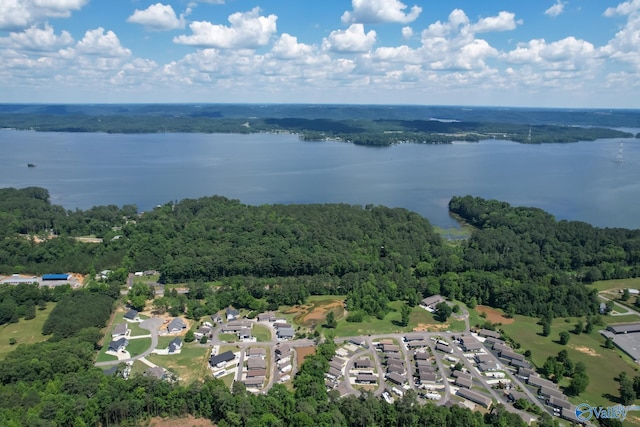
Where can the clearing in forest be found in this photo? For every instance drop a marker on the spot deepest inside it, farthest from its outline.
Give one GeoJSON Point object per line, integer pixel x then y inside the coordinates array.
{"type": "Point", "coordinates": [493, 315]}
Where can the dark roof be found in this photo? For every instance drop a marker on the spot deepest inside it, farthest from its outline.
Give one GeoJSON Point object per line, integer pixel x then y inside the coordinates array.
{"type": "Point", "coordinates": [464, 382]}
{"type": "Point", "coordinates": [131, 314]}
{"type": "Point", "coordinates": [624, 328]}
{"type": "Point", "coordinates": [286, 332]}
{"type": "Point", "coordinates": [232, 311]}
{"type": "Point", "coordinates": [520, 363]}
{"type": "Point", "coordinates": [176, 323]}
{"type": "Point", "coordinates": [540, 382]}
{"type": "Point", "coordinates": [488, 333]}
{"type": "Point", "coordinates": [545, 391]}
{"type": "Point", "coordinates": [56, 276]}
{"type": "Point", "coordinates": [364, 363]}
{"type": "Point", "coordinates": [460, 374]}
{"type": "Point", "coordinates": [444, 348]}
{"type": "Point", "coordinates": [227, 356]}
{"type": "Point", "coordinates": [334, 372]}
{"type": "Point", "coordinates": [559, 402]}
{"type": "Point", "coordinates": [396, 378]}
{"type": "Point", "coordinates": [511, 355]}
{"type": "Point", "coordinates": [175, 344]}
{"type": "Point", "coordinates": [433, 299]}
{"type": "Point", "coordinates": [366, 378]}
{"type": "Point", "coordinates": [475, 397]}
{"type": "Point", "coordinates": [116, 344]}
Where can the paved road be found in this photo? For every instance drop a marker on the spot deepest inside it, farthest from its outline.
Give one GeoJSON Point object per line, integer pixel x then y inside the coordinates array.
{"type": "Point", "coordinates": [152, 325]}
{"type": "Point", "coordinates": [624, 309]}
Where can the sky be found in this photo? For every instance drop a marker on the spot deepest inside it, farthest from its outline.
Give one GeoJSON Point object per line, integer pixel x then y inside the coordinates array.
{"type": "Point", "coordinates": [541, 53]}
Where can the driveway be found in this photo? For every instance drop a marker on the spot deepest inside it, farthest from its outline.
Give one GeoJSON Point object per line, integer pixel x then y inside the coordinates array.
{"type": "Point", "coordinates": [152, 325]}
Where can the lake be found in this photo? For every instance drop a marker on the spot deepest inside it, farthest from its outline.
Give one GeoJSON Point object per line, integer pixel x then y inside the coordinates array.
{"type": "Point", "coordinates": [577, 181]}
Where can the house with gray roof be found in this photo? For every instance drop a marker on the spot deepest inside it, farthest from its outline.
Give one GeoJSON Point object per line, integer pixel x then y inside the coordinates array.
{"type": "Point", "coordinates": [132, 315]}
{"type": "Point", "coordinates": [253, 382]}
{"type": "Point", "coordinates": [396, 378]}
{"type": "Point", "coordinates": [256, 363]}
{"type": "Point", "coordinates": [176, 325]}
{"type": "Point", "coordinates": [285, 333]}
{"type": "Point", "coordinates": [444, 348]}
{"type": "Point", "coordinates": [120, 330]}
{"type": "Point", "coordinates": [432, 301]}
{"type": "Point", "coordinates": [175, 346]}
{"type": "Point", "coordinates": [488, 333]}
{"type": "Point", "coordinates": [231, 313]}
{"type": "Point", "coordinates": [464, 382]}
{"type": "Point", "coordinates": [366, 379]}
{"type": "Point", "coordinates": [475, 397]}
{"type": "Point", "coordinates": [624, 328]}
{"type": "Point", "coordinates": [222, 358]}
{"type": "Point", "coordinates": [118, 345]}
{"type": "Point", "coordinates": [363, 363]}
{"type": "Point", "coordinates": [536, 381]}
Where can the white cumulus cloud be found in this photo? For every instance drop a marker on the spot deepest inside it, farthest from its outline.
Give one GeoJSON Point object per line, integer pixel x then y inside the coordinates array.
{"type": "Point", "coordinates": [556, 9]}
{"type": "Point", "coordinates": [19, 14]}
{"type": "Point", "coordinates": [504, 21]}
{"type": "Point", "coordinates": [376, 11]}
{"type": "Point", "coordinates": [248, 30]}
{"type": "Point", "coordinates": [37, 39]}
{"type": "Point", "coordinates": [101, 43]}
{"type": "Point", "coordinates": [351, 40]}
{"type": "Point", "coordinates": [159, 17]}
{"type": "Point", "coordinates": [407, 32]}
{"type": "Point", "coordinates": [287, 47]}
{"type": "Point", "coordinates": [624, 8]}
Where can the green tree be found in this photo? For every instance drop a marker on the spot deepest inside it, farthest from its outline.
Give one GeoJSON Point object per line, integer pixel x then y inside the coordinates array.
{"type": "Point", "coordinates": [578, 384]}
{"type": "Point", "coordinates": [405, 312]}
{"type": "Point", "coordinates": [331, 320]}
{"type": "Point", "coordinates": [625, 295]}
{"type": "Point", "coordinates": [564, 337]}
{"type": "Point", "coordinates": [189, 336]}
{"type": "Point", "coordinates": [578, 328]}
{"type": "Point", "coordinates": [608, 343]}
{"type": "Point", "coordinates": [442, 312]}
{"type": "Point", "coordinates": [546, 329]}
{"type": "Point", "coordinates": [627, 392]}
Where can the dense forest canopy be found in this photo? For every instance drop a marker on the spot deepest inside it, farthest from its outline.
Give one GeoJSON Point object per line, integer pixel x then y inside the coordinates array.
{"type": "Point", "coordinates": [518, 259]}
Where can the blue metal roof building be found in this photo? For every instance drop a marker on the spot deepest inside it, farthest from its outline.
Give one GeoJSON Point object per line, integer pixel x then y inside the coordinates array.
{"type": "Point", "coordinates": [56, 277]}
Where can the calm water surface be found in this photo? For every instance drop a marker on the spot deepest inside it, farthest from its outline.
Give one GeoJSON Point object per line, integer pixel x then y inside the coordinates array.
{"type": "Point", "coordinates": [576, 181]}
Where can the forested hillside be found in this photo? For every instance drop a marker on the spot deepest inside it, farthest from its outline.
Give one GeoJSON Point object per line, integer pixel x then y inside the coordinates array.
{"type": "Point", "coordinates": [519, 259]}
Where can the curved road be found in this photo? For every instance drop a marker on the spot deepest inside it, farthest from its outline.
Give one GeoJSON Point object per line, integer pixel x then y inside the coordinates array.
{"type": "Point", "coordinates": [152, 325]}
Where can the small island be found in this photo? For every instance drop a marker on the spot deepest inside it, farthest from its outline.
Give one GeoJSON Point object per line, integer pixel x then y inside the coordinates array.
{"type": "Point", "coordinates": [31, 165]}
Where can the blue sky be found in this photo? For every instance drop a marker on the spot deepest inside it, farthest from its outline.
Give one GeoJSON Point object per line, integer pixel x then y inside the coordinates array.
{"type": "Point", "coordinates": [542, 53]}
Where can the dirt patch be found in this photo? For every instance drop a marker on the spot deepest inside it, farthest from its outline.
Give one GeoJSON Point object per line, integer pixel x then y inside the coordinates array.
{"type": "Point", "coordinates": [315, 313]}
{"type": "Point", "coordinates": [302, 353]}
{"type": "Point", "coordinates": [493, 315]}
{"type": "Point", "coordinates": [428, 327]}
{"type": "Point", "coordinates": [319, 313]}
{"type": "Point", "coordinates": [188, 421]}
{"type": "Point", "coordinates": [585, 350]}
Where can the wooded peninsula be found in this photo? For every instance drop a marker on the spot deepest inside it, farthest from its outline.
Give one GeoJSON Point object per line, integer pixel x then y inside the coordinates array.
{"type": "Point", "coordinates": [362, 125]}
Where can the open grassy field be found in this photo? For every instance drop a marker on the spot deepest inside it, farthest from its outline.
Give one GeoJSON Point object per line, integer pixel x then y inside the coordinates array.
{"type": "Point", "coordinates": [24, 332]}
{"type": "Point", "coordinates": [228, 337]}
{"type": "Point", "coordinates": [261, 332]}
{"type": "Point", "coordinates": [604, 285]}
{"type": "Point", "coordinates": [138, 346]}
{"type": "Point", "coordinates": [602, 364]}
{"type": "Point", "coordinates": [189, 365]}
{"type": "Point", "coordinates": [419, 320]}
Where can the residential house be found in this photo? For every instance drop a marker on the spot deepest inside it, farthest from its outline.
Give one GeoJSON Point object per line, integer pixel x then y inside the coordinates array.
{"type": "Point", "coordinates": [222, 358]}
{"type": "Point", "coordinates": [256, 352]}
{"type": "Point", "coordinates": [525, 373]}
{"type": "Point", "coordinates": [460, 374]}
{"type": "Point", "coordinates": [472, 347]}
{"type": "Point", "coordinates": [464, 382]}
{"type": "Point", "coordinates": [417, 336]}
{"type": "Point", "coordinates": [118, 345]}
{"type": "Point", "coordinates": [269, 316]}
{"type": "Point", "coordinates": [390, 348]}
{"type": "Point", "coordinates": [285, 333]}
{"type": "Point", "coordinates": [559, 402]}
{"type": "Point", "coordinates": [201, 332]}
{"type": "Point", "coordinates": [475, 397]}
{"type": "Point", "coordinates": [536, 381]}
{"type": "Point", "coordinates": [256, 363]}
{"type": "Point", "coordinates": [427, 377]}
{"type": "Point", "coordinates": [231, 313]}
{"type": "Point", "coordinates": [444, 348]}
{"type": "Point", "coordinates": [421, 355]}
{"type": "Point", "coordinates": [484, 358]}
{"type": "Point", "coordinates": [254, 382]}
{"type": "Point", "coordinates": [132, 315]}
{"type": "Point", "coordinates": [257, 373]}
{"type": "Point", "coordinates": [488, 367]}
{"type": "Point", "coordinates": [489, 334]}
{"type": "Point", "coordinates": [357, 341]}
{"type": "Point", "coordinates": [431, 302]}
{"type": "Point", "coordinates": [396, 378]}
{"type": "Point", "coordinates": [363, 363]}
{"type": "Point", "coordinates": [120, 330]}
{"type": "Point", "coordinates": [548, 392]}
{"type": "Point", "coordinates": [507, 354]}
{"type": "Point", "coordinates": [334, 373]}
{"type": "Point", "coordinates": [175, 345]}
{"type": "Point", "coordinates": [244, 334]}
{"type": "Point", "coordinates": [520, 363]}
{"type": "Point", "coordinates": [176, 325]}
{"type": "Point", "coordinates": [366, 379]}
{"type": "Point", "coordinates": [398, 369]}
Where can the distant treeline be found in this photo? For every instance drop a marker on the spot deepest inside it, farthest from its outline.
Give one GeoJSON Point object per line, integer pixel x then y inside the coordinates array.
{"type": "Point", "coordinates": [519, 259]}
{"type": "Point", "coordinates": [379, 132]}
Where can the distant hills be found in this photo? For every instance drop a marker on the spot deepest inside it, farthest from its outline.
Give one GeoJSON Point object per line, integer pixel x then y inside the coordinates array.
{"type": "Point", "coordinates": [359, 124]}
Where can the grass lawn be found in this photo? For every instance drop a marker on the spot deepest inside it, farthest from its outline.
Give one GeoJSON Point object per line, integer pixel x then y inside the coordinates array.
{"type": "Point", "coordinates": [419, 319]}
{"type": "Point", "coordinates": [228, 337]}
{"type": "Point", "coordinates": [314, 311]}
{"type": "Point", "coordinates": [138, 368]}
{"type": "Point", "coordinates": [138, 346]}
{"type": "Point", "coordinates": [103, 357]}
{"type": "Point", "coordinates": [261, 332]}
{"type": "Point", "coordinates": [25, 331]}
{"type": "Point", "coordinates": [133, 326]}
{"type": "Point", "coordinates": [189, 365]}
{"type": "Point", "coordinates": [602, 364]}
{"type": "Point", "coordinates": [228, 379]}
{"type": "Point", "coordinates": [604, 285]}
{"type": "Point", "coordinates": [223, 348]}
